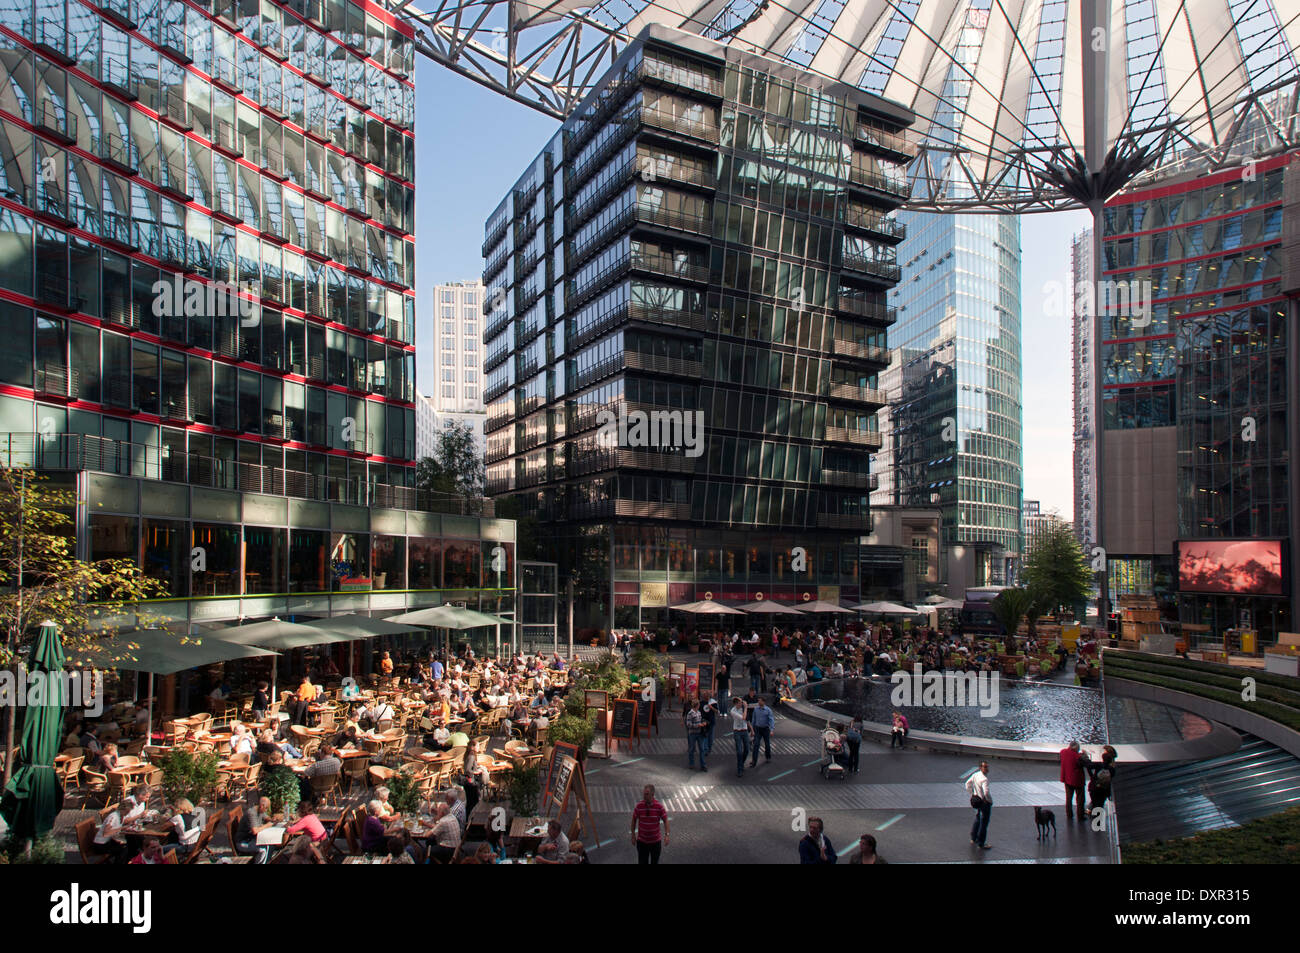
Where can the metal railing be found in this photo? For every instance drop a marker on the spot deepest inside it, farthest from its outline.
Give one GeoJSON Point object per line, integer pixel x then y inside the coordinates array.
{"type": "Point", "coordinates": [81, 452]}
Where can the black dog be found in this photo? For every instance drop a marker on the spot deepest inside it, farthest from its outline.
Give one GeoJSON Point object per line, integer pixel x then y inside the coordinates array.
{"type": "Point", "coordinates": [1044, 819]}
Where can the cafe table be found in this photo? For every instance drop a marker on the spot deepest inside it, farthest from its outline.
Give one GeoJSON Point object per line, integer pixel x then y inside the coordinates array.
{"type": "Point", "coordinates": [527, 833]}
{"type": "Point", "coordinates": [133, 771]}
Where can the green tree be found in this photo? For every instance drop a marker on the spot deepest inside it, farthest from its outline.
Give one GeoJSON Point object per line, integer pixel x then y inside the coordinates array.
{"type": "Point", "coordinates": [1057, 572]}
{"type": "Point", "coordinates": [41, 577]}
{"type": "Point", "coordinates": [456, 467]}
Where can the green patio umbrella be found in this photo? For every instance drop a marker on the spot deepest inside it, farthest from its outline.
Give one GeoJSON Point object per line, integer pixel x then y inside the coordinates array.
{"type": "Point", "coordinates": [34, 796]}
{"type": "Point", "coordinates": [159, 652]}
{"type": "Point", "coordinates": [450, 617]}
{"type": "Point", "coordinates": [353, 626]}
{"type": "Point", "coordinates": [276, 634]}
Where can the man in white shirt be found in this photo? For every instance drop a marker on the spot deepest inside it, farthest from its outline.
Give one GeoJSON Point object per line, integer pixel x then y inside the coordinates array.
{"type": "Point", "coordinates": [741, 732]}
{"type": "Point", "coordinates": [977, 785]}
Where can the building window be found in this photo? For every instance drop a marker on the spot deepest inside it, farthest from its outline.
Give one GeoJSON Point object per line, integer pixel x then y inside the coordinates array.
{"type": "Point", "coordinates": [448, 390]}
{"type": "Point", "coordinates": [448, 359]}
{"type": "Point", "coordinates": [448, 296]}
{"type": "Point", "coordinates": [471, 393]}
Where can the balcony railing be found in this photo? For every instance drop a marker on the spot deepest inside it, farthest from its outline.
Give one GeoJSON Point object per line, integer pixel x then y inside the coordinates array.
{"type": "Point", "coordinates": [858, 438]}
{"type": "Point", "coordinates": [860, 521]}
{"type": "Point", "coordinates": [52, 38]}
{"type": "Point", "coordinates": [78, 452]}
{"type": "Point", "coordinates": [882, 268]}
{"type": "Point", "coordinates": [869, 306]}
{"type": "Point", "coordinates": [895, 186]}
{"type": "Point", "coordinates": [894, 143]}
{"type": "Point", "coordinates": [842, 347]}
{"type": "Point", "coordinates": [55, 121]}
{"type": "Point", "coordinates": [670, 267]}
{"type": "Point", "coordinates": [662, 364]}
{"type": "Point", "coordinates": [881, 225]}
{"type": "Point", "coordinates": [846, 478]}
{"type": "Point", "coordinates": [862, 395]}
{"type": "Point", "coordinates": [681, 125]}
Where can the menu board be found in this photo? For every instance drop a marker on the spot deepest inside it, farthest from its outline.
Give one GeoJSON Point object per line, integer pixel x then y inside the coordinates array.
{"type": "Point", "coordinates": [625, 725]}
{"type": "Point", "coordinates": [595, 699]}
{"type": "Point", "coordinates": [599, 747]}
{"type": "Point", "coordinates": [645, 716]}
{"type": "Point", "coordinates": [563, 777]}
{"type": "Point", "coordinates": [706, 677]}
{"type": "Point", "coordinates": [561, 750]}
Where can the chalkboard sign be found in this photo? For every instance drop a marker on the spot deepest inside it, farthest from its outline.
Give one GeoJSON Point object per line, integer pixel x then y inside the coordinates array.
{"type": "Point", "coordinates": [625, 710]}
{"type": "Point", "coordinates": [645, 716]}
{"type": "Point", "coordinates": [599, 747]}
{"type": "Point", "coordinates": [595, 699]}
{"type": "Point", "coordinates": [562, 779]}
{"type": "Point", "coordinates": [706, 677]}
{"type": "Point", "coordinates": [561, 750]}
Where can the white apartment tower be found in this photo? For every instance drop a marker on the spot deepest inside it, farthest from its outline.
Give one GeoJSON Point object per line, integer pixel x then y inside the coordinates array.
{"type": "Point", "coordinates": [1084, 392]}
{"type": "Point", "coordinates": [449, 350]}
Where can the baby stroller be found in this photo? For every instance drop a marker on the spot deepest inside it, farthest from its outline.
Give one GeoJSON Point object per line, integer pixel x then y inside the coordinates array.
{"type": "Point", "coordinates": [834, 755]}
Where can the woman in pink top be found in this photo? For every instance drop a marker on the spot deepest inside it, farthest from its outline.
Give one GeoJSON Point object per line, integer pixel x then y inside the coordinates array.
{"type": "Point", "coordinates": [308, 823]}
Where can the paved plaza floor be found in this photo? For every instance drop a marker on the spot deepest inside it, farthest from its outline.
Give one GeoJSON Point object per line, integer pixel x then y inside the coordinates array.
{"type": "Point", "coordinates": [913, 801]}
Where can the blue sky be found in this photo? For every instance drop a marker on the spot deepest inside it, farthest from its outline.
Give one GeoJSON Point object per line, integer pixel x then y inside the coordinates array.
{"type": "Point", "coordinates": [472, 145]}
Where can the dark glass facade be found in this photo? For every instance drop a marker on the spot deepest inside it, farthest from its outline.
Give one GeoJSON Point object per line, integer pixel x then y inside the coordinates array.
{"type": "Point", "coordinates": [1212, 363]}
{"type": "Point", "coordinates": [708, 235]}
{"type": "Point", "coordinates": [206, 217]}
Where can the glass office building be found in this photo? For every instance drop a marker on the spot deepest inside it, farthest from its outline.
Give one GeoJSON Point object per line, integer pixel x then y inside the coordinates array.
{"type": "Point", "coordinates": [955, 417]}
{"type": "Point", "coordinates": [1204, 383]}
{"type": "Point", "coordinates": [707, 238]}
{"type": "Point", "coordinates": [207, 267]}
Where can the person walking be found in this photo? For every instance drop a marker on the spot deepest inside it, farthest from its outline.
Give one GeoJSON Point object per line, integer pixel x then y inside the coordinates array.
{"type": "Point", "coordinates": [981, 798]}
{"type": "Point", "coordinates": [723, 679]}
{"type": "Point", "coordinates": [709, 713]}
{"type": "Point", "coordinates": [764, 721]}
{"type": "Point", "coordinates": [866, 852]}
{"type": "Point", "coordinates": [646, 818]}
{"type": "Point", "coordinates": [741, 733]}
{"type": "Point", "coordinates": [815, 847]}
{"type": "Point", "coordinates": [695, 735]}
{"type": "Point", "coordinates": [853, 738]}
{"type": "Point", "coordinates": [755, 668]}
{"type": "Point", "coordinates": [1073, 779]}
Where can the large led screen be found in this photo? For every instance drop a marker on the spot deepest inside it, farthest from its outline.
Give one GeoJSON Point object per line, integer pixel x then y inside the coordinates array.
{"type": "Point", "coordinates": [1232, 566]}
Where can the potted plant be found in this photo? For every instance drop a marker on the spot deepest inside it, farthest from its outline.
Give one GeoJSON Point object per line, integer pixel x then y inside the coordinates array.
{"type": "Point", "coordinates": [188, 775]}
{"type": "Point", "coordinates": [281, 787]}
{"type": "Point", "coordinates": [403, 793]}
{"type": "Point", "coordinates": [693, 643]}
{"type": "Point", "coordinates": [524, 787]}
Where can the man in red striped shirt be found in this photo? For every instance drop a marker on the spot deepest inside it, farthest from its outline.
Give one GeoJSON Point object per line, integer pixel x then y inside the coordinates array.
{"type": "Point", "coordinates": [645, 827]}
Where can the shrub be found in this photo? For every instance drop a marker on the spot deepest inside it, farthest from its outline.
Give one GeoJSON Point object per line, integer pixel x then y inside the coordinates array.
{"type": "Point", "coordinates": [524, 787]}
{"type": "Point", "coordinates": [188, 775]}
{"type": "Point", "coordinates": [281, 787]}
{"type": "Point", "coordinates": [572, 729]}
{"type": "Point", "coordinates": [47, 850]}
{"type": "Point", "coordinates": [403, 794]}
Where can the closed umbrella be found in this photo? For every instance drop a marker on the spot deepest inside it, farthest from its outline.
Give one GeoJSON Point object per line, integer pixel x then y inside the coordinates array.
{"type": "Point", "coordinates": [32, 799]}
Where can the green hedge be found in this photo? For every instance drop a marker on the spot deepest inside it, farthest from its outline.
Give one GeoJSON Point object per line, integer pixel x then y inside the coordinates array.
{"type": "Point", "coordinates": [1279, 713]}
{"type": "Point", "coordinates": [1261, 677]}
{"type": "Point", "coordinates": [1269, 840]}
{"type": "Point", "coordinates": [1172, 670]}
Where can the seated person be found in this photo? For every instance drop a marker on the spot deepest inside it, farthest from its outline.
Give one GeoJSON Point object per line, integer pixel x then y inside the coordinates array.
{"type": "Point", "coordinates": [305, 852]}
{"type": "Point", "coordinates": [397, 852]}
{"type": "Point", "coordinates": [385, 809]}
{"type": "Point", "coordinates": [327, 763]}
{"type": "Point", "coordinates": [577, 854]}
{"type": "Point", "coordinates": [256, 818]}
{"type": "Point", "coordinates": [348, 737]}
{"type": "Point", "coordinates": [308, 823]}
{"type": "Point", "coordinates": [108, 838]}
{"type": "Point", "coordinates": [187, 822]}
{"type": "Point", "coordinates": [135, 804]}
{"type": "Point", "coordinates": [446, 835]}
{"type": "Point", "coordinates": [374, 839]}
{"type": "Point", "coordinates": [380, 713]}
{"type": "Point", "coordinates": [151, 852]}
{"type": "Point", "coordinates": [554, 846]}
{"type": "Point", "coordinates": [106, 760]}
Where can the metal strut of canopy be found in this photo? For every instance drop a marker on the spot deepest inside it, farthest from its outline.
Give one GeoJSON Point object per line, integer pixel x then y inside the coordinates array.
{"type": "Point", "coordinates": [1022, 105]}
